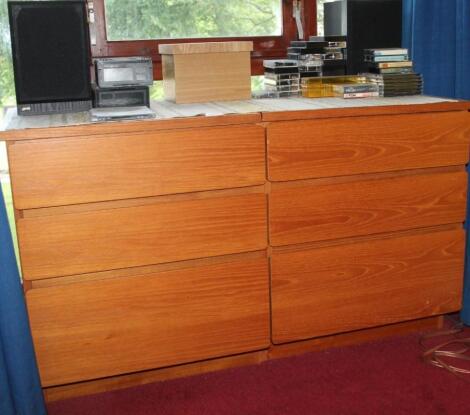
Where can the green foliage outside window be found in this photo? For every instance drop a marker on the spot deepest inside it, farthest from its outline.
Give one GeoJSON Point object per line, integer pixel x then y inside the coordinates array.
{"type": "Point", "coordinates": [320, 27]}
{"type": "Point", "coordinates": [164, 19]}
{"type": "Point", "coordinates": [7, 89]}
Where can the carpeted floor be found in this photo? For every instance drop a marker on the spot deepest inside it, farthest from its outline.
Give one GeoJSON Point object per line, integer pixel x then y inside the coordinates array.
{"type": "Point", "coordinates": [382, 378]}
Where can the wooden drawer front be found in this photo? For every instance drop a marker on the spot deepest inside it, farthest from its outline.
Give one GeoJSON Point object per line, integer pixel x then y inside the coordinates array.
{"type": "Point", "coordinates": [337, 147]}
{"type": "Point", "coordinates": [79, 170]}
{"type": "Point", "coordinates": [333, 211]}
{"type": "Point", "coordinates": [119, 238]}
{"type": "Point", "coordinates": [348, 287]}
{"type": "Point", "coordinates": [102, 328]}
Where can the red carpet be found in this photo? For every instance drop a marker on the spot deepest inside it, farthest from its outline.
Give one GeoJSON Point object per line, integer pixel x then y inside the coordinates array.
{"type": "Point", "coordinates": [382, 378]}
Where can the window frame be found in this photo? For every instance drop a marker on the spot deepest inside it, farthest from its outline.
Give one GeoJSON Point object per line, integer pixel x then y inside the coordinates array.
{"type": "Point", "coordinates": [265, 47]}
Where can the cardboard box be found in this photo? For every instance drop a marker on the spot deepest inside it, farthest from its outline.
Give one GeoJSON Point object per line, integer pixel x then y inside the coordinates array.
{"type": "Point", "coordinates": [201, 72]}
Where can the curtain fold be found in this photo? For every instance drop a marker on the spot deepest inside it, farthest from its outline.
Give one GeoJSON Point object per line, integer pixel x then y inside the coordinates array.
{"type": "Point", "coordinates": [20, 388]}
{"type": "Point", "coordinates": [437, 33]}
{"type": "Point", "coordinates": [465, 312]}
{"type": "Point", "coordinates": [463, 49]}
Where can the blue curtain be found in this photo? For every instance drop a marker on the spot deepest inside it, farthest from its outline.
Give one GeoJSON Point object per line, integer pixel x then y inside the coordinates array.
{"type": "Point", "coordinates": [20, 389]}
{"type": "Point", "coordinates": [465, 313]}
{"type": "Point", "coordinates": [437, 32]}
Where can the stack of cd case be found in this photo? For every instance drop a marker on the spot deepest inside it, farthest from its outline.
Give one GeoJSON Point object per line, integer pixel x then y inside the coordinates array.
{"type": "Point", "coordinates": [330, 51]}
{"type": "Point", "coordinates": [338, 86]}
{"type": "Point", "coordinates": [386, 55]}
{"type": "Point", "coordinates": [392, 70]}
{"type": "Point", "coordinates": [281, 77]}
{"type": "Point", "coordinates": [309, 55]}
{"type": "Point", "coordinates": [310, 65]}
{"type": "Point", "coordinates": [356, 90]}
{"type": "Point", "coordinates": [396, 84]}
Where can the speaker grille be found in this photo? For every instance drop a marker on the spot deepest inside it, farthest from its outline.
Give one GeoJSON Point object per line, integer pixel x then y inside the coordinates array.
{"type": "Point", "coordinates": [50, 51]}
{"type": "Point", "coordinates": [367, 23]}
{"type": "Point", "coordinates": [372, 24]}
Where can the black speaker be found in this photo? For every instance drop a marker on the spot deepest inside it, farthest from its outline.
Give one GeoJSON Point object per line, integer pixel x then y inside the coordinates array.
{"type": "Point", "coordinates": [51, 56]}
{"type": "Point", "coordinates": [367, 24]}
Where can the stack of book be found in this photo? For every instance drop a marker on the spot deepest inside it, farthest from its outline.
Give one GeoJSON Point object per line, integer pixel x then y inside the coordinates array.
{"type": "Point", "coordinates": [319, 56]}
{"type": "Point", "coordinates": [393, 72]}
{"type": "Point", "coordinates": [281, 77]}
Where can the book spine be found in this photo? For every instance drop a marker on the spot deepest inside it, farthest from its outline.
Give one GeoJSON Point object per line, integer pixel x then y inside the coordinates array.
{"type": "Point", "coordinates": [396, 71]}
{"type": "Point", "coordinates": [390, 52]}
{"type": "Point", "coordinates": [385, 65]}
{"type": "Point", "coordinates": [357, 89]}
{"type": "Point", "coordinates": [359, 95]}
{"type": "Point", "coordinates": [389, 58]}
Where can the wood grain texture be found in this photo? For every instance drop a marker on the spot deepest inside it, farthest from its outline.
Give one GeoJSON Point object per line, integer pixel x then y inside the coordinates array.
{"type": "Point", "coordinates": [132, 165]}
{"type": "Point", "coordinates": [365, 111]}
{"type": "Point", "coordinates": [315, 213]}
{"type": "Point", "coordinates": [317, 344]}
{"type": "Point", "coordinates": [55, 393]}
{"type": "Point", "coordinates": [344, 179]}
{"type": "Point", "coordinates": [53, 246]}
{"type": "Point", "coordinates": [205, 47]}
{"type": "Point", "coordinates": [128, 126]}
{"type": "Point", "coordinates": [345, 241]}
{"type": "Point", "coordinates": [144, 270]}
{"type": "Point", "coordinates": [205, 77]}
{"type": "Point", "coordinates": [344, 288]}
{"type": "Point", "coordinates": [44, 131]}
{"type": "Point", "coordinates": [103, 328]}
{"type": "Point", "coordinates": [187, 308]}
{"type": "Point", "coordinates": [337, 147]}
{"type": "Point", "coordinates": [143, 201]}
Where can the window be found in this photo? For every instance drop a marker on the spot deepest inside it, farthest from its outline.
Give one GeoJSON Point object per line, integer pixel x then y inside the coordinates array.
{"type": "Point", "coordinates": [320, 21]}
{"type": "Point", "coordinates": [7, 89]}
{"type": "Point", "coordinates": [192, 19]}
{"type": "Point", "coordinates": [127, 28]}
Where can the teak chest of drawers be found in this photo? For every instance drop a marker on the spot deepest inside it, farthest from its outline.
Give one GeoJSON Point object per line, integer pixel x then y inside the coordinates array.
{"type": "Point", "coordinates": [189, 244]}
